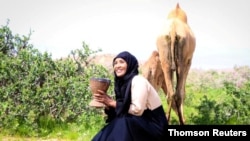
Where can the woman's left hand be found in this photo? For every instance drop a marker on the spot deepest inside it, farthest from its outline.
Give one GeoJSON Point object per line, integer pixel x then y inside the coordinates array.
{"type": "Point", "coordinates": [102, 97]}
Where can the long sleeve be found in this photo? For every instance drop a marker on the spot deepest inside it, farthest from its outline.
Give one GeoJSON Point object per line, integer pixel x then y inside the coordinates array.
{"type": "Point", "coordinates": [110, 114]}
{"type": "Point", "coordinates": [143, 96]}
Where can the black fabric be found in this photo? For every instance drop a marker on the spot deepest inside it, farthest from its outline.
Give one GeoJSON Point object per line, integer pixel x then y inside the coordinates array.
{"type": "Point", "coordinates": [123, 84]}
{"type": "Point", "coordinates": [122, 126]}
{"type": "Point", "coordinates": [151, 126]}
{"type": "Point", "coordinates": [111, 114]}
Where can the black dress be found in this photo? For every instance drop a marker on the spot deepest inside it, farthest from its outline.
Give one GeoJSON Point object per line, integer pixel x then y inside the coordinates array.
{"type": "Point", "coordinates": [151, 126]}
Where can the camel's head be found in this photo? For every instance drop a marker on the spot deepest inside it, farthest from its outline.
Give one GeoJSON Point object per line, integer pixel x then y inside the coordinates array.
{"type": "Point", "coordinates": [178, 13]}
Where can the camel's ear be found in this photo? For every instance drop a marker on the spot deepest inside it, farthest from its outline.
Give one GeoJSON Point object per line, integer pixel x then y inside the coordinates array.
{"type": "Point", "coordinates": [177, 5]}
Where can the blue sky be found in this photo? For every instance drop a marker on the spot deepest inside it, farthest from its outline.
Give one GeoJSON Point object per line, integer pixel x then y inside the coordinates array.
{"type": "Point", "coordinates": [221, 27]}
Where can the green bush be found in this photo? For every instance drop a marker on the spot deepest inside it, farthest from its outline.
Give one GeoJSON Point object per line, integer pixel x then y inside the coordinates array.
{"type": "Point", "coordinates": [33, 85]}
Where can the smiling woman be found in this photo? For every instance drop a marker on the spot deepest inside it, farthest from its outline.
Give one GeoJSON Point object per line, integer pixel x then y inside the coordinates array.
{"type": "Point", "coordinates": [136, 113]}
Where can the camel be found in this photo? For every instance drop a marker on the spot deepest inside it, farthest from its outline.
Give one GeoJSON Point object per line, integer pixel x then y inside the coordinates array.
{"type": "Point", "coordinates": [176, 45]}
{"type": "Point", "coordinates": [152, 71]}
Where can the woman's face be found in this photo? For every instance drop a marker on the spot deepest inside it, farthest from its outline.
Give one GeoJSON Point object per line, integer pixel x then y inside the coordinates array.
{"type": "Point", "coordinates": [120, 67]}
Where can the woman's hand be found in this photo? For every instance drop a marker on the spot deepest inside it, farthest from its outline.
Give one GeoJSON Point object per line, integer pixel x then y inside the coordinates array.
{"type": "Point", "coordinates": [102, 97]}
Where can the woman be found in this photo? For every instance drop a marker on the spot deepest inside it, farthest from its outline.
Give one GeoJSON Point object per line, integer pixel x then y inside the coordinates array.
{"type": "Point", "coordinates": [137, 113]}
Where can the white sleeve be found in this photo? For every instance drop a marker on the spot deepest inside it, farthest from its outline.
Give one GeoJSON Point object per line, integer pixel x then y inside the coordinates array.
{"type": "Point", "coordinates": [139, 96]}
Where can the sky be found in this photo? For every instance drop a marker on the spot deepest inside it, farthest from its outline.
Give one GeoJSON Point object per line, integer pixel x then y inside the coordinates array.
{"type": "Point", "coordinates": [221, 27]}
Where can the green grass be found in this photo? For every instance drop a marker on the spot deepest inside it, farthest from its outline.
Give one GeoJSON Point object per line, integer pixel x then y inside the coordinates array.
{"type": "Point", "coordinates": [88, 125]}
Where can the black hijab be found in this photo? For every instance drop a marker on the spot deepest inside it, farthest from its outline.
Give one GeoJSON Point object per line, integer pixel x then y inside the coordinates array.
{"type": "Point", "coordinates": [123, 84]}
